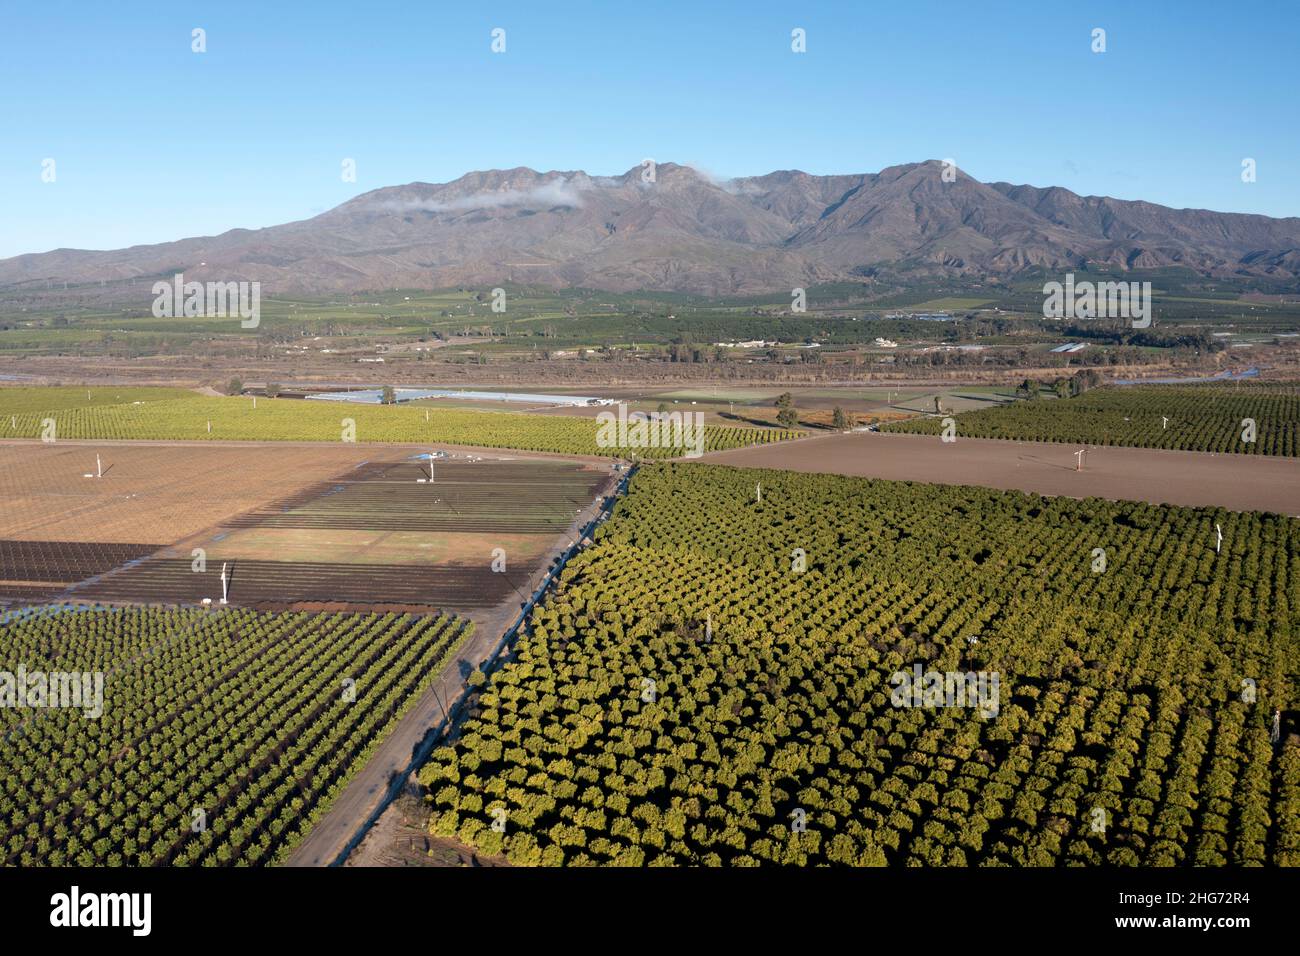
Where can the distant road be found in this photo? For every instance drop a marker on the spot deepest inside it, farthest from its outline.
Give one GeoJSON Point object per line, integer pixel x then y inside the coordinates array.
{"type": "Point", "coordinates": [1236, 482]}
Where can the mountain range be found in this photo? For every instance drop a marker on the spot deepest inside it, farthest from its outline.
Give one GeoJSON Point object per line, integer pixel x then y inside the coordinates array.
{"type": "Point", "coordinates": [682, 230]}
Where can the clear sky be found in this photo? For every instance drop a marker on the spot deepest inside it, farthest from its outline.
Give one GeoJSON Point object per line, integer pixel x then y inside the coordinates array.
{"type": "Point", "coordinates": [152, 141]}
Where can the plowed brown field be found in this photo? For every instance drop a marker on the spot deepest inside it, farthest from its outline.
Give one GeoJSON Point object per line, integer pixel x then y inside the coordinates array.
{"type": "Point", "coordinates": [150, 492]}
{"type": "Point", "coordinates": [1193, 478]}
{"type": "Point", "coordinates": [288, 525]}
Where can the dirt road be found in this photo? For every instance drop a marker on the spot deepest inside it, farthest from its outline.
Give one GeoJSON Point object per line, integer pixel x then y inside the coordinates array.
{"type": "Point", "coordinates": [1236, 482]}
{"type": "Point", "coordinates": [358, 806]}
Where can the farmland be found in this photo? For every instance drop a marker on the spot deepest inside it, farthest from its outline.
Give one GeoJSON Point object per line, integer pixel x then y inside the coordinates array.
{"type": "Point", "coordinates": [378, 536]}
{"type": "Point", "coordinates": [1236, 482]}
{"type": "Point", "coordinates": [201, 418]}
{"type": "Point", "coordinates": [337, 525]}
{"type": "Point", "coordinates": [355, 577]}
{"type": "Point", "coordinates": [714, 683]}
{"type": "Point", "coordinates": [1210, 418]}
{"type": "Point", "coordinates": [151, 492]}
{"type": "Point", "coordinates": [222, 735]}
{"type": "Point", "coordinates": [23, 401]}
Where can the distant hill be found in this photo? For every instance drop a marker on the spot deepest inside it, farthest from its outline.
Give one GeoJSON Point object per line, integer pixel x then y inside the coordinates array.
{"type": "Point", "coordinates": [687, 232]}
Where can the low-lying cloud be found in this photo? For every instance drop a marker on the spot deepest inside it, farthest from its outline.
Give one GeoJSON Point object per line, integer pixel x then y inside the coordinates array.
{"type": "Point", "coordinates": [725, 183]}
{"type": "Point", "coordinates": [555, 193]}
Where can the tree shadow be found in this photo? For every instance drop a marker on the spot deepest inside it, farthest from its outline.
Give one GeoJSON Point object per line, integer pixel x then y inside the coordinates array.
{"type": "Point", "coordinates": [761, 422]}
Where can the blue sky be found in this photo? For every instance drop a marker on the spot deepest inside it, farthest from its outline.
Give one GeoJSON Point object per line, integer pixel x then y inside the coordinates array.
{"type": "Point", "coordinates": [154, 142]}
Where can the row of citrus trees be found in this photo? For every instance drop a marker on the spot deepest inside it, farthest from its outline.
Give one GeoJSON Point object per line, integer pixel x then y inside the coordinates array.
{"type": "Point", "coordinates": [200, 418]}
{"type": "Point", "coordinates": [1247, 420]}
{"type": "Point", "coordinates": [220, 738]}
{"type": "Point", "coordinates": [714, 683]}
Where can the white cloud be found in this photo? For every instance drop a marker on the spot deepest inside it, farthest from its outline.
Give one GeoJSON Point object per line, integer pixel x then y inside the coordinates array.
{"type": "Point", "coordinates": [725, 183]}
{"type": "Point", "coordinates": [555, 193]}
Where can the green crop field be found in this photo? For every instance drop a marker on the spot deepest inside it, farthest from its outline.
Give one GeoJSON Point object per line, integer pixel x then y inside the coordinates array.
{"type": "Point", "coordinates": [718, 681]}
{"type": "Point", "coordinates": [199, 418]}
{"type": "Point", "coordinates": [221, 735]}
{"type": "Point", "coordinates": [33, 401]}
{"type": "Point", "coordinates": [948, 303]}
{"type": "Point", "coordinates": [1192, 418]}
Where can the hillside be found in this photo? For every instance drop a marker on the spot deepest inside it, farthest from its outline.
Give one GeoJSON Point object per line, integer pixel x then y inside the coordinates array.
{"type": "Point", "coordinates": [687, 232]}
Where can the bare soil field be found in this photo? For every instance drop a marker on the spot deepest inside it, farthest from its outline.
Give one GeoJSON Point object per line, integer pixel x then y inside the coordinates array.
{"type": "Point", "coordinates": [399, 494]}
{"type": "Point", "coordinates": [1236, 482]}
{"type": "Point", "coordinates": [350, 546]}
{"type": "Point", "coordinates": [149, 492]}
{"type": "Point", "coordinates": [345, 526]}
{"type": "Point", "coordinates": [40, 570]}
{"type": "Point", "coordinates": [250, 582]}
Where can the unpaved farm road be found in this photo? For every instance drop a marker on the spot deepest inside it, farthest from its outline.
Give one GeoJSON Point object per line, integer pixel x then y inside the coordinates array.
{"type": "Point", "coordinates": [333, 834]}
{"type": "Point", "coordinates": [1235, 482]}
{"type": "Point", "coordinates": [356, 809]}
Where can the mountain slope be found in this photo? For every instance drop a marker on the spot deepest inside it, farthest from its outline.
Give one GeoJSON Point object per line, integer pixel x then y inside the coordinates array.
{"type": "Point", "coordinates": [687, 232]}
